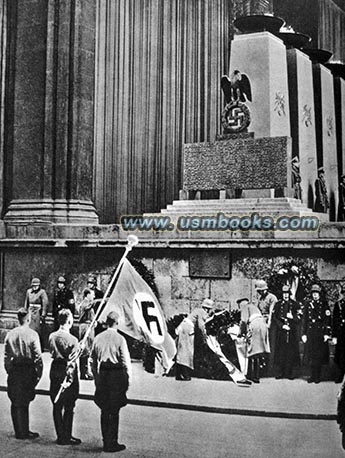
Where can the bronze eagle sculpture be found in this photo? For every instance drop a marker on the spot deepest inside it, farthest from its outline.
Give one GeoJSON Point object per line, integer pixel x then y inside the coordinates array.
{"type": "Point", "coordinates": [236, 88]}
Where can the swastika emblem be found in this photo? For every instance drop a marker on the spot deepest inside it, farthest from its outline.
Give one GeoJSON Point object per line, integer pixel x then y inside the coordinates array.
{"type": "Point", "coordinates": [235, 117]}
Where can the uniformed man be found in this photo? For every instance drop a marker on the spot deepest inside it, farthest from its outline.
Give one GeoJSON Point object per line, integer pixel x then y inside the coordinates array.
{"type": "Point", "coordinates": [86, 315]}
{"type": "Point", "coordinates": [316, 330]}
{"type": "Point", "coordinates": [321, 194]}
{"type": "Point", "coordinates": [265, 303]}
{"type": "Point", "coordinates": [63, 348]}
{"type": "Point", "coordinates": [63, 299]}
{"type": "Point", "coordinates": [286, 317]}
{"type": "Point", "coordinates": [185, 339]}
{"type": "Point", "coordinates": [36, 302]}
{"type": "Point", "coordinates": [98, 296]}
{"type": "Point", "coordinates": [341, 212]}
{"type": "Point", "coordinates": [23, 364]}
{"type": "Point", "coordinates": [111, 367]}
{"type": "Point", "coordinates": [338, 333]}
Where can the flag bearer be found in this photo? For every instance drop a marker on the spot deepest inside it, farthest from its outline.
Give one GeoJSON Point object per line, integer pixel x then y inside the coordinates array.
{"type": "Point", "coordinates": [63, 348]}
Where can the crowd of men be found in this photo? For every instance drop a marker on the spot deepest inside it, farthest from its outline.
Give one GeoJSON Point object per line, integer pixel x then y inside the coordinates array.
{"type": "Point", "coordinates": [272, 328]}
{"type": "Point", "coordinates": [104, 358]}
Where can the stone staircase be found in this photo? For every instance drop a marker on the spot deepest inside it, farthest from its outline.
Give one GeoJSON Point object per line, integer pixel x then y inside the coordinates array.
{"type": "Point", "coordinates": [264, 206]}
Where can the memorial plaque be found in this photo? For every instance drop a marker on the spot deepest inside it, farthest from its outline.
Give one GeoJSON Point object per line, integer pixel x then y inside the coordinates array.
{"type": "Point", "coordinates": [210, 264]}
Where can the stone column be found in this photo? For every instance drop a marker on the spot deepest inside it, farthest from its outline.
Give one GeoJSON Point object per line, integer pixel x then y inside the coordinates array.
{"type": "Point", "coordinates": [339, 99]}
{"type": "Point", "coordinates": [302, 113]}
{"type": "Point", "coordinates": [262, 57]}
{"type": "Point", "coordinates": [49, 144]}
{"type": "Point", "coordinates": [326, 132]}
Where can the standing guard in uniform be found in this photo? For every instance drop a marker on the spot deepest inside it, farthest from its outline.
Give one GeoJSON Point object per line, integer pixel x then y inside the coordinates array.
{"type": "Point", "coordinates": [185, 338]}
{"type": "Point", "coordinates": [36, 302]}
{"type": "Point", "coordinates": [338, 333]}
{"type": "Point", "coordinates": [316, 330]}
{"type": "Point", "coordinates": [321, 194]}
{"type": "Point", "coordinates": [266, 303]}
{"type": "Point", "coordinates": [111, 367]}
{"type": "Point", "coordinates": [63, 299]}
{"type": "Point", "coordinates": [341, 210]}
{"type": "Point", "coordinates": [23, 364]}
{"type": "Point", "coordinates": [286, 317]}
{"type": "Point", "coordinates": [98, 296]}
{"type": "Point", "coordinates": [86, 315]}
{"type": "Point", "coordinates": [63, 347]}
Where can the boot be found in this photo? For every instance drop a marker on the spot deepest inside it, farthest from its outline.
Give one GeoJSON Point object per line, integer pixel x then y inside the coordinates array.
{"type": "Point", "coordinates": [105, 428]}
{"type": "Point", "coordinates": [23, 422]}
{"type": "Point", "coordinates": [83, 367]}
{"type": "Point", "coordinates": [58, 423]}
{"type": "Point", "coordinates": [253, 370]}
{"type": "Point", "coordinates": [112, 434]}
{"type": "Point", "coordinates": [256, 371]}
{"type": "Point", "coordinates": [67, 427]}
{"type": "Point", "coordinates": [16, 424]}
{"type": "Point", "coordinates": [317, 372]}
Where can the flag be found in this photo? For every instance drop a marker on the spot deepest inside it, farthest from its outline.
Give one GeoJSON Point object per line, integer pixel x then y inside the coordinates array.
{"type": "Point", "coordinates": [141, 316]}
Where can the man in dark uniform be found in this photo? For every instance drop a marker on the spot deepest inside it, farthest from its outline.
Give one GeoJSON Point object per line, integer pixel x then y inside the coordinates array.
{"type": "Point", "coordinates": [63, 299]}
{"type": "Point", "coordinates": [63, 348]}
{"type": "Point", "coordinates": [98, 296]}
{"type": "Point", "coordinates": [111, 367]}
{"type": "Point", "coordinates": [23, 364]}
{"type": "Point", "coordinates": [341, 212]}
{"type": "Point", "coordinates": [316, 330]}
{"type": "Point", "coordinates": [321, 194]}
{"type": "Point", "coordinates": [338, 333]}
{"type": "Point", "coordinates": [285, 315]}
{"type": "Point", "coordinates": [86, 316]}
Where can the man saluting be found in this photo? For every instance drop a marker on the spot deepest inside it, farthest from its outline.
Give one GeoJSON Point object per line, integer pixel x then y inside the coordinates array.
{"type": "Point", "coordinates": [23, 364]}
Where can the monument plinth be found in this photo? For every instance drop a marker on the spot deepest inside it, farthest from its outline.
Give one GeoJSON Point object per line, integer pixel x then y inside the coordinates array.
{"type": "Point", "coordinates": [262, 57]}
{"type": "Point", "coordinates": [326, 133]}
{"type": "Point", "coordinates": [302, 110]}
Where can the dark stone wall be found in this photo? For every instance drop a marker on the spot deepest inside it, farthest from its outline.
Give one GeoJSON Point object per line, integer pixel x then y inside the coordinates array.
{"type": "Point", "coordinates": [247, 164]}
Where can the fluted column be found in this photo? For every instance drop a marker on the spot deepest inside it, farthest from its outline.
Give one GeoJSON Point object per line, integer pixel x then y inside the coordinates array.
{"type": "Point", "coordinates": [159, 65]}
{"type": "Point", "coordinates": [3, 47]}
{"type": "Point", "coordinates": [49, 145]}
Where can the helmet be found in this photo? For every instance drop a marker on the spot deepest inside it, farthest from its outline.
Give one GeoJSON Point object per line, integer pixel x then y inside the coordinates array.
{"type": "Point", "coordinates": [61, 280]}
{"type": "Point", "coordinates": [207, 304]}
{"type": "Point", "coordinates": [35, 282]}
{"type": "Point", "coordinates": [91, 279]}
{"type": "Point", "coordinates": [261, 285]}
{"type": "Point", "coordinates": [242, 299]}
{"type": "Point", "coordinates": [316, 289]}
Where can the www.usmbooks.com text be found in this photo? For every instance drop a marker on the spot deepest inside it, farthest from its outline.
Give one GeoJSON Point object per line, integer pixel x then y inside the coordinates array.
{"type": "Point", "coordinates": [220, 222]}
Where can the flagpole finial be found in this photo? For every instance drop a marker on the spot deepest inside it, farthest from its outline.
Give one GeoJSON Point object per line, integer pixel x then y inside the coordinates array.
{"type": "Point", "coordinates": [132, 241]}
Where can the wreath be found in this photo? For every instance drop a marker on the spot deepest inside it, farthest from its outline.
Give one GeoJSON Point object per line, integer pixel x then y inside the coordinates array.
{"type": "Point", "coordinates": [297, 274]}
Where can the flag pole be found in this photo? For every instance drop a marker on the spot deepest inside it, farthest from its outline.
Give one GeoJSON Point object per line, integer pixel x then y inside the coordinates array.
{"type": "Point", "coordinates": [132, 241]}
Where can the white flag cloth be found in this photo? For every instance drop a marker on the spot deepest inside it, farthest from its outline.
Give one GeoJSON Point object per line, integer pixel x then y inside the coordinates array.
{"type": "Point", "coordinates": [141, 316]}
{"type": "Point", "coordinates": [236, 375]}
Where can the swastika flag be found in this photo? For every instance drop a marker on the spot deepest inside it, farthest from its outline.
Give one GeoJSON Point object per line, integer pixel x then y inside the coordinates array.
{"type": "Point", "coordinates": [141, 316]}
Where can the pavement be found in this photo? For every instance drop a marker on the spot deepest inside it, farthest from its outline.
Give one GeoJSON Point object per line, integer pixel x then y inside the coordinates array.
{"type": "Point", "coordinates": [271, 398]}
{"type": "Point", "coordinates": [208, 418]}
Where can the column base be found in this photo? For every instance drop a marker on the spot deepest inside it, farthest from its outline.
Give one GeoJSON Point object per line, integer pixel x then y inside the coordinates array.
{"type": "Point", "coordinates": [51, 211]}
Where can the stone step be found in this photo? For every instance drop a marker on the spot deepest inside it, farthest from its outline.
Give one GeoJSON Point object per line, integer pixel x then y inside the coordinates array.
{"type": "Point", "coordinates": [174, 215]}
{"type": "Point", "coordinates": [234, 208]}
